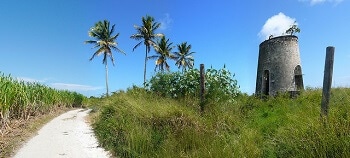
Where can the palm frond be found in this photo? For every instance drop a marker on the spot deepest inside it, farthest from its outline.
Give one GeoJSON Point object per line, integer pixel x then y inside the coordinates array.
{"type": "Point", "coordinates": [137, 36]}
{"type": "Point", "coordinates": [177, 54]}
{"type": "Point", "coordinates": [97, 53]}
{"type": "Point", "coordinates": [112, 58]}
{"type": "Point", "coordinates": [188, 54]}
{"type": "Point", "coordinates": [118, 50]}
{"type": "Point", "coordinates": [94, 34]}
{"type": "Point", "coordinates": [112, 30]}
{"type": "Point", "coordinates": [189, 57]}
{"type": "Point", "coordinates": [90, 42]}
{"type": "Point", "coordinates": [152, 43]}
{"type": "Point", "coordinates": [137, 45]}
{"type": "Point", "coordinates": [158, 35]}
{"type": "Point", "coordinates": [104, 60]}
{"type": "Point", "coordinates": [114, 37]}
{"type": "Point", "coordinates": [172, 56]}
{"type": "Point", "coordinates": [148, 49]}
{"type": "Point", "coordinates": [153, 57]}
{"type": "Point", "coordinates": [167, 66]}
{"type": "Point", "coordinates": [155, 25]}
{"type": "Point", "coordinates": [137, 27]}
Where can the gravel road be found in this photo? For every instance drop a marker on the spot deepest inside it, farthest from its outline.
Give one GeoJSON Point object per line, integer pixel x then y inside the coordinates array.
{"type": "Point", "coordinates": [66, 136]}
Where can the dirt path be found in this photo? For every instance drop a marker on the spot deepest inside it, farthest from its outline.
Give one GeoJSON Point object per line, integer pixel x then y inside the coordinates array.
{"type": "Point", "coordinates": [66, 136]}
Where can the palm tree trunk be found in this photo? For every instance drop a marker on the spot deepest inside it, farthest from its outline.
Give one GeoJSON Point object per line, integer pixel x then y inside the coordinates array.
{"type": "Point", "coordinates": [144, 71]}
{"type": "Point", "coordinates": [106, 79]}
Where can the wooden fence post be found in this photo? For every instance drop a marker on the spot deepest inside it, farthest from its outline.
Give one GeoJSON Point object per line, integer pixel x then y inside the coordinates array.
{"type": "Point", "coordinates": [202, 87]}
{"type": "Point", "coordinates": [327, 80]}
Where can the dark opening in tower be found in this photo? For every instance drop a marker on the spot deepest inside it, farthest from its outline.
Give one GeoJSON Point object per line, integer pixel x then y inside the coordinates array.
{"type": "Point", "coordinates": [266, 83]}
{"type": "Point", "coordinates": [298, 78]}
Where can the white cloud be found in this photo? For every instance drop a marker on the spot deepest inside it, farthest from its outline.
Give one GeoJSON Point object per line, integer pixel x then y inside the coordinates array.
{"type": "Point", "coordinates": [27, 79]}
{"type": "Point", "coordinates": [315, 2]}
{"type": "Point", "coordinates": [74, 87]}
{"type": "Point", "coordinates": [61, 86]}
{"type": "Point", "coordinates": [276, 26]}
{"type": "Point", "coordinates": [165, 22]}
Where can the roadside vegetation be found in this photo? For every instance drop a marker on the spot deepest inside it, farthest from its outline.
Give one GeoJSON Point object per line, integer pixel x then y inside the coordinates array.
{"type": "Point", "coordinates": [21, 100]}
{"type": "Point", "coordinates": [161, 121]}
{"type": "Point", "coordinates": [23, 106]}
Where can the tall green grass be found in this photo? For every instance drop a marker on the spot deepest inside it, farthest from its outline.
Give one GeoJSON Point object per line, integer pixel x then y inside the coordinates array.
{"type": "Point", "coordinates": [20, 100]}
{"type": "Point", "coordinates": [138, 123]}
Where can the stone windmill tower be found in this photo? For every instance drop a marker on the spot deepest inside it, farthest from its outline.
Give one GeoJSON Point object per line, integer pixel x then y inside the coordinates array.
{"type": "Point", "coordinates": [279, 67]}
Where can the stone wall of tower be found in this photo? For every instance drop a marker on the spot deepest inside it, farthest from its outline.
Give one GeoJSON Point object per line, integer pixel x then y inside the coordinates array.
{"type": "Point", "coordinates": [278, 66]}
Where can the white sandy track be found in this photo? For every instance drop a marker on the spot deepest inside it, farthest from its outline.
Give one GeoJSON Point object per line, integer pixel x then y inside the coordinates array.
{"type": "Point", "coordinates": [66, 136]}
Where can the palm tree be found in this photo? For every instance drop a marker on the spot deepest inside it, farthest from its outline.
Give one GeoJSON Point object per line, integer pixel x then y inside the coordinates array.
{"type": "Point", "coordinates": [146, 33]}
{"type": "Point", "coordinates": [184, 56]}
{"type": "Point", "coordinates": [105, 41]}
{"type": "Point", "coordinates": [163, 50]}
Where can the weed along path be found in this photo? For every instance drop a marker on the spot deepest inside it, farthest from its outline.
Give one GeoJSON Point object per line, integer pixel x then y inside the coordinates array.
{"type": "Point", "coordinates": [66, 136]}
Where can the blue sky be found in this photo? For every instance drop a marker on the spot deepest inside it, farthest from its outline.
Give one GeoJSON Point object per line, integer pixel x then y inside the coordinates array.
{"type": "Point", "coordinates": [43, 41]}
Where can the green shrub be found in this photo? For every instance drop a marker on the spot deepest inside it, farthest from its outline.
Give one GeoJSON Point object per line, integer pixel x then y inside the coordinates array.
{"type": "Point", "coordinates": [219, 84]}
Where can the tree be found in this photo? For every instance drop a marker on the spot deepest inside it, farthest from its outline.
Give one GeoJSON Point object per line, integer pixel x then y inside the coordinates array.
{"type": "Point", "coordinates": [184, 56]}
{"type": "Point", "coordinates": [293, 29]}
{"type": "Point", "coordinates": [105, 41]}
{"type": "Point", "coordinates": [146, 33]}
{"type": "Point", "coordinates": [163, 50]}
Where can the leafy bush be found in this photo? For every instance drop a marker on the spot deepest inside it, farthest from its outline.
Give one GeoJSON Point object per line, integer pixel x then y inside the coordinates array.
{"type": "Point", "coordinates": [219, 84]}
